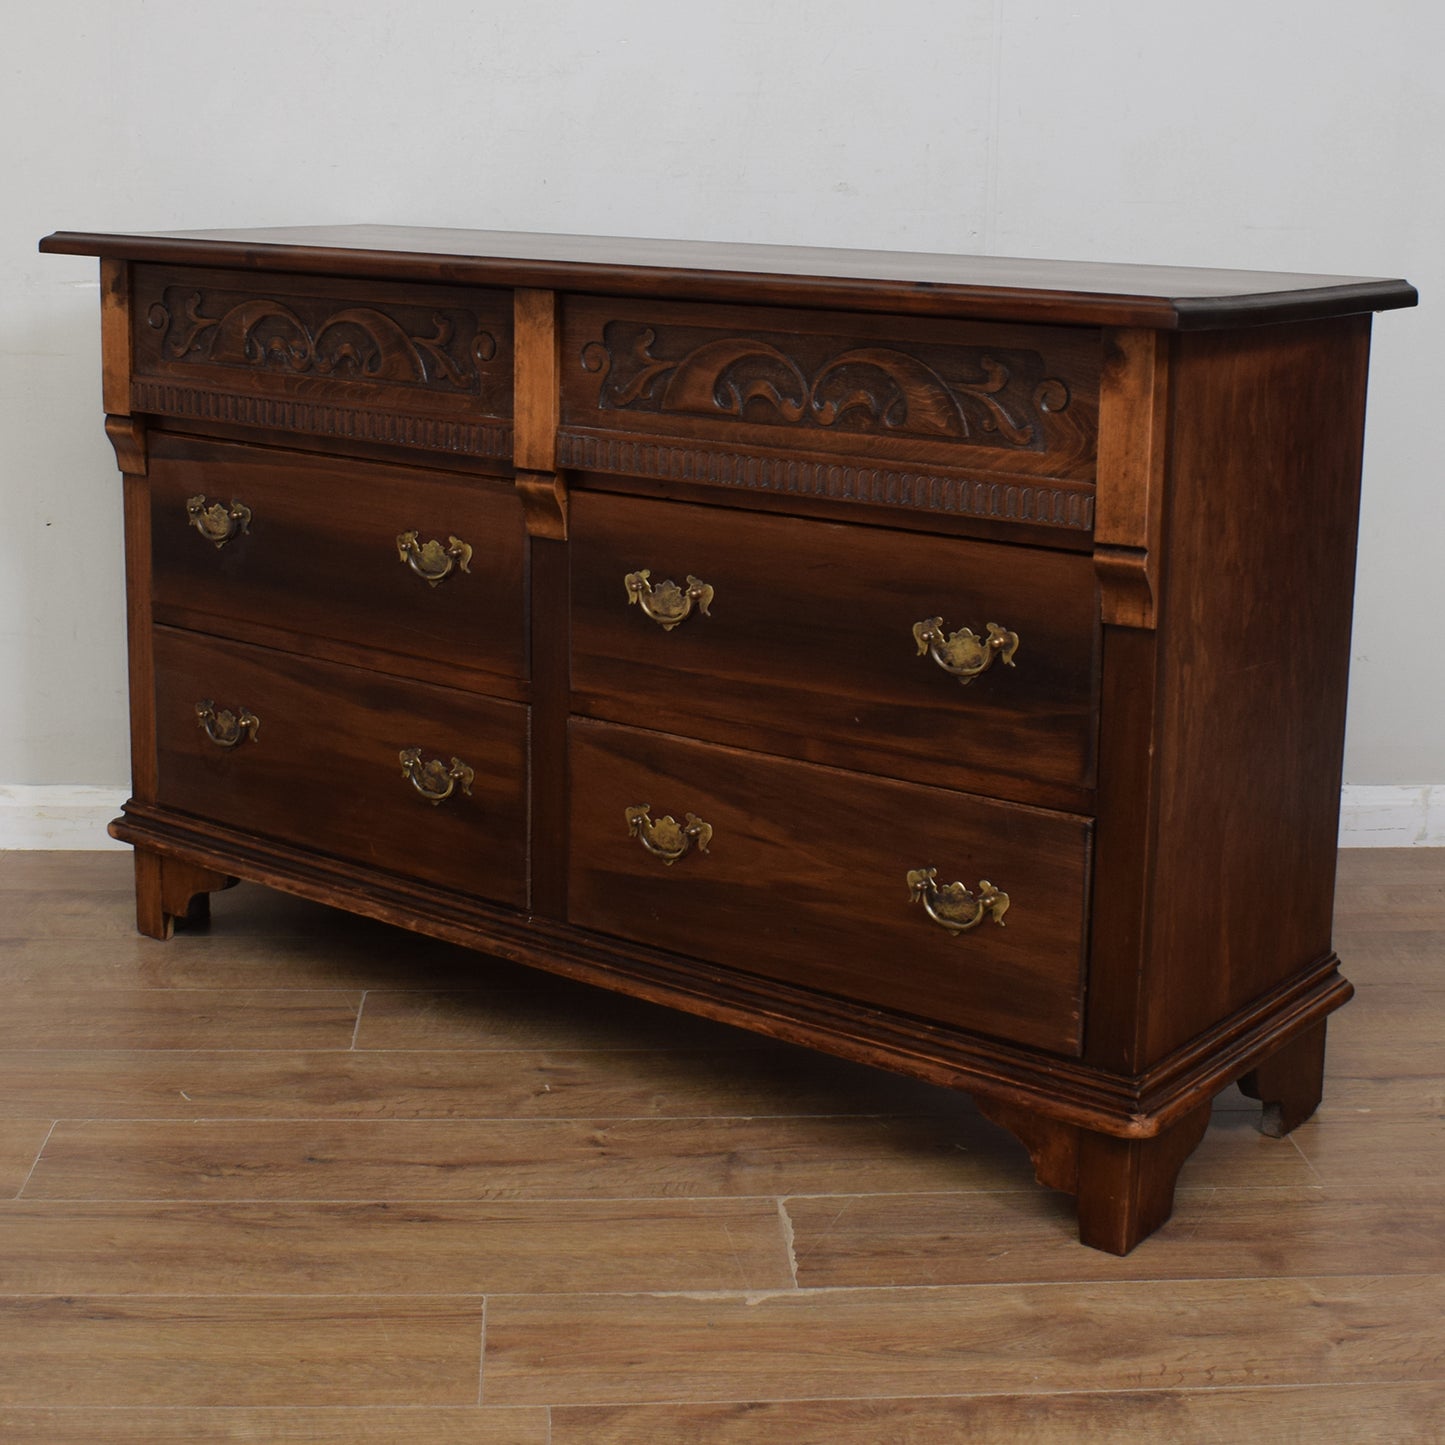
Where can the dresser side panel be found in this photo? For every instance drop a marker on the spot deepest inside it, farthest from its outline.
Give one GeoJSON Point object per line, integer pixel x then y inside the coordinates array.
{"type": "Point", "coordinates": [1266, 431]}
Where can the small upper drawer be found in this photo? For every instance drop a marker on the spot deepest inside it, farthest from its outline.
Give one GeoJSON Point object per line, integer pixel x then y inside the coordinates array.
{"type": "Point", "coordinates": [413, 563]}
{"type": "Point", "coordinates": [839, 644]}
{"type": "Point", "coordinates": [860, 887]}
{"type": "Point", "coordinates": [992, 421]}
{"type": "Point", "coordinates": [423, 781]}
{"type": "Point", "coordinates": [413, 366]}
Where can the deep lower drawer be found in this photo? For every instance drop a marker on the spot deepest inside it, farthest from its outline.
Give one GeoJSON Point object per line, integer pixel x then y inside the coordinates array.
{"type": "Point", "coordinates": [821, 878]}
{"type": "Point", "coordinates": [406, 561]}
{"type": "Point", "coordinates": [839, 644]}
{"type": "Point", "coordinates": [312, 754]}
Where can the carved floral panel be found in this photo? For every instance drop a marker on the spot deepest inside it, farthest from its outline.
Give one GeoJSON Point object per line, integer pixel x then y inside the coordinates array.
{"type": "Point", "coordinates": [987, 396]}
{"type": "Point", "coordinates": [447, 349]}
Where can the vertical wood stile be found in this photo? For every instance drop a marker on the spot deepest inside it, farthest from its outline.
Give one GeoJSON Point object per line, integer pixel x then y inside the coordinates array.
{"type": "Point", "coordinates": [536, 410]}
{"type": "Point", "coordinates": [1128, 538]}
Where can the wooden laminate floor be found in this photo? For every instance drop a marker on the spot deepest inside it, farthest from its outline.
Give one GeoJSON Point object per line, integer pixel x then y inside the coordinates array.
{"type": "Point", "coordinates": [307, 1178]}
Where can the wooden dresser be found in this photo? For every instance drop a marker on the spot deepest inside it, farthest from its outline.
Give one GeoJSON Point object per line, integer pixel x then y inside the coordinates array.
{"type": "Point", "coordinates": [937, 661]}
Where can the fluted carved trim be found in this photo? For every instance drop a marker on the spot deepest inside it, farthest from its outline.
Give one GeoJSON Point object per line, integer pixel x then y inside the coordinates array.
{"type": "Point", "coordinates": [1050, 504]}
{"type": "Point", "coordinates": [480, 439]}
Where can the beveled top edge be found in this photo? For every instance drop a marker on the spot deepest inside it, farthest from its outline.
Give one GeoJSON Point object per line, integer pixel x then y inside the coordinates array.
{"type": "Point", "coordinates": [921, 283]}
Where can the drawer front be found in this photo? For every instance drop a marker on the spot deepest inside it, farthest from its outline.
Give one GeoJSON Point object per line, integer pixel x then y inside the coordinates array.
{"type": "Point", "coordinates": [808, 644]}
{"type": "Point", "coordinates": [413, 366]}
{"type": "Point", "coordinates": [993, 421]}
{"type": "Point", "coordinates": [321, 767]}
{"type": "Point", "coordinates": [311, 545]}
{"type": "Point", "coordinates": [795, 885]}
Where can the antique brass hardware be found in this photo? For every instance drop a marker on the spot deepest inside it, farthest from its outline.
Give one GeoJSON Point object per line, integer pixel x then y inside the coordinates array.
{"type": "Point", "coordinates": [430, 560]}
{"type": "Point", "coordinates": [964, 654]}
{"type": "Point", "coordinates": [667, 603]}
{"type": "Point", "coordinates": [953, 906]}
{"type": "Point", "coordinates": [226, 728]}
{"type": "Point", "coordinates": [666, 837]}
{"type": "Point", "coordinates": [217, 522]}
{"type": "Point", "coordinates": [434, 779]}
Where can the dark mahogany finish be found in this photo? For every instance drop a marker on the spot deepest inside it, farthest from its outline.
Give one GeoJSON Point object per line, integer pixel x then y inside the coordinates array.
{"type": "Point", "coordinates": [1150, 475]}
{"type": "Point", "coordinates": [808, 646]}
{"type": "Point", "coordinates": [318, 567]}
{"type": "Point", "coordinates": [791, 887]}
{"type": "Point", "coordinates": [323, 768]}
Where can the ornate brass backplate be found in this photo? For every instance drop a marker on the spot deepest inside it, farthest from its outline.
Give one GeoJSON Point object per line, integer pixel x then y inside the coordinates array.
{"type": "Point", "coordinates": [964, 654]}
{"type": "Point", "coordinates": [432, 561]}
{"type": "Point", "coordinates": [434, 779]}
{"type": "Point", "coordinates": [226, 728]}
{"type": "Point", "coordinates": [955, 907]}
{"type": "Point", "coordinates": [667, 603]}
{"type": "Point", "coordinates": [666, 838]}
{"type": "Point", "coordinates": [218, 522]}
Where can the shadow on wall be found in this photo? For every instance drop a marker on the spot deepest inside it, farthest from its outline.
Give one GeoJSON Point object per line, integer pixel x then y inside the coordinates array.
{"type": "Point", "coordinates": [63, 715]}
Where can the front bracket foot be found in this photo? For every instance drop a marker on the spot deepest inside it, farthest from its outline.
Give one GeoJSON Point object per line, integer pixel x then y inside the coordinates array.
{"type": "Point", "coordinates": [170, 890]}
{"type": "Point", "coordinates": [1124, 1188]}
{"type": "Point", "coordinates": [1289, 1082]}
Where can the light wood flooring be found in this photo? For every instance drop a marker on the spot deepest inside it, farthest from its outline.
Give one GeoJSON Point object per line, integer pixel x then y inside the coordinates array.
{"type": "Point", "coordinates": [307, 1178]}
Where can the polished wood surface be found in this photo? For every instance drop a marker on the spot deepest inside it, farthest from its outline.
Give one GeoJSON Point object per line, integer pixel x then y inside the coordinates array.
{"type": "Point", "coordinates": [323, 768]}
{"type": "Point", "coordinates": [989, 287]}
{"type": "Point", "coordinates": [1140, 485]}
{"type": "Point", "coordinates": [808, 648]}
{"type": "Point", "coordinates": [1259, 585]}
{"type": "Point", "coordinates": [417, 366]}
{"type": "Point", "coordinates": [878, 392]}
{"type": "Point", "coordinates": [319, 558]}
{"type": "Point", "coordinates": [793, 889]}
{"type": "Point", "coordinates": [223, 1161]}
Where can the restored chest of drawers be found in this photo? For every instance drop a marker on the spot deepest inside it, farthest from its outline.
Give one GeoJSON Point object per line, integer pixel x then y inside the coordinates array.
{"type": "Point", "coordinates": [939, 662]}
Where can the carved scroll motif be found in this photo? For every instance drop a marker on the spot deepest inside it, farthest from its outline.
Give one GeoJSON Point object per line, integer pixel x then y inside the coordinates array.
{"type": "Point", "coordinates": [967, 393]}
{"type": "Point", "coordinates": [421, 347]}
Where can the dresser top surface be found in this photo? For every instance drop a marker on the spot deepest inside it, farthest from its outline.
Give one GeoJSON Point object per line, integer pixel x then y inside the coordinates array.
{"type": "Point", "coordinates": [920, 283]}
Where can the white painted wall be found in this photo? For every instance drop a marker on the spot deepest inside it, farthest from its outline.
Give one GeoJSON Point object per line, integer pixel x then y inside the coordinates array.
{"type": "Point", "coordinates": [1298, 134]}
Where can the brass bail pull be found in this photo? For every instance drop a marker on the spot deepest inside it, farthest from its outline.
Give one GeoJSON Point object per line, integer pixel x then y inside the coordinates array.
{"type": "Point", "coordinates": [964, 654]}
{"type": "Point", "coordinates": [434, 779]}
{"type": "Point", "coordinates": [226, 728]}
{"type": "Point", "coordinates": [432, 561]}
{"type": "Point", "coordinates": [955, 907]}
{"type": "Point", "coordinates": [666, 838]}
{"type": "Point", "coordinates": [218, 522]}
{"type": "Point", "coordinates": [667, 603]}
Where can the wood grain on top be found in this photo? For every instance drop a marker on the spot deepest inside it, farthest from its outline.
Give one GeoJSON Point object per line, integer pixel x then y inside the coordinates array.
{"type": "Point", "coordinates": [1167, 297]}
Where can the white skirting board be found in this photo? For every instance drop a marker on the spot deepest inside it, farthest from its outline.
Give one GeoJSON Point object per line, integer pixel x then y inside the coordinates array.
{"type": "Point", "coordinates": [58, 817]}
{"type": "Point", "coordinates": [75, 817]}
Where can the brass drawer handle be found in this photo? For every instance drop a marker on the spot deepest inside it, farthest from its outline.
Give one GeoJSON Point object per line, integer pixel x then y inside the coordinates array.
{"type": "Point", "coordinates": [216, 521]}
{"type": "Point", "coordinates": [432, 561]}
{"type": "Point", "coordinates": [667, 603]}
{"type": "Point", "coordinates": [953, 906]}
{"type": "Point", "coordinates": [666, 838]}
{"type": "Point", "coordinates": [964, 654]}
{"type": "Point", "coordinates": [434, 779]}
{"type": "Point", "coordinates": [226, 728]}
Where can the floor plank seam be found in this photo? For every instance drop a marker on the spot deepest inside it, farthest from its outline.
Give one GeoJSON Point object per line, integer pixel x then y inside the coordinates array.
{"type": "Point", "coordinates": [35, 1162]}
{"type": "Point", "coordinates": [482, 1357]}
{"type": "Point", "coordinates": [360, 1014]}
{"type": "Point", "coordinates": [789, 1239]}
{"type": "Point", "coordinates": [433, 1201]}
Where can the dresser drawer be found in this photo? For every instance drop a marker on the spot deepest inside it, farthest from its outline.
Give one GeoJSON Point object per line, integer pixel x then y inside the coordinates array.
{"type": "Point", "coordinates": [811, 644]}
{"type": "Point", "coordinates": [315, 546]}
{"type": "Point", "coordinates": [818, 878]}
{"type": "Point", "coordinates": [996, 422]}
{"type": "Point", "coordinates": [400, 365]}
{"type": "Point", "coordinates": [310, 753]}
